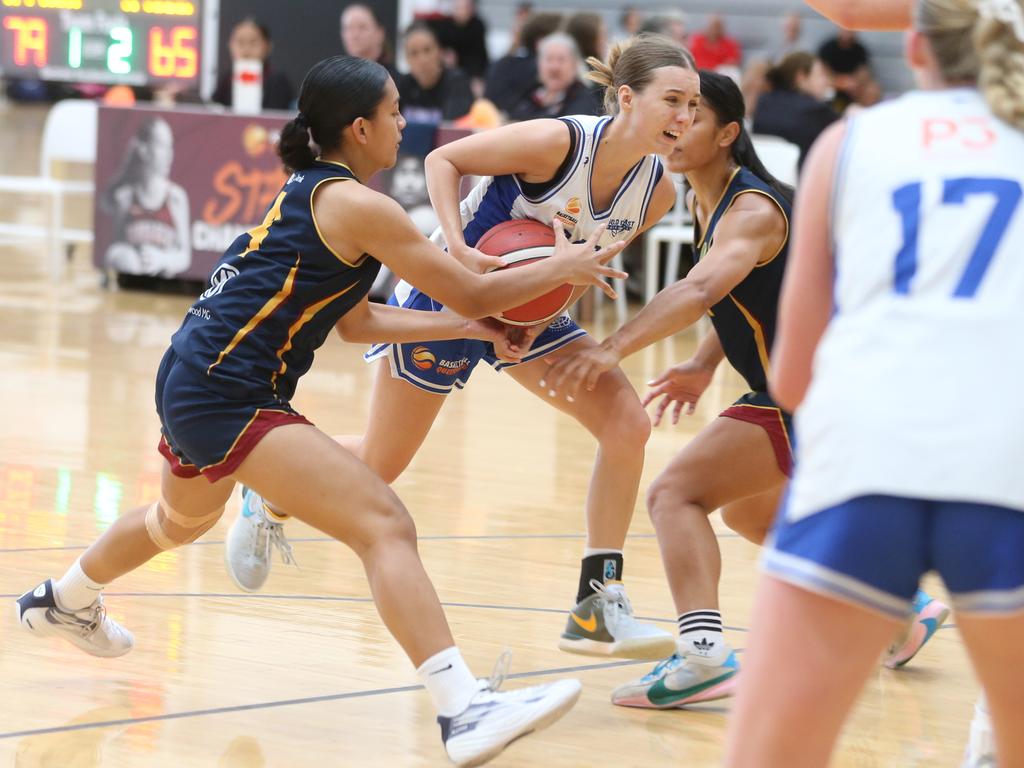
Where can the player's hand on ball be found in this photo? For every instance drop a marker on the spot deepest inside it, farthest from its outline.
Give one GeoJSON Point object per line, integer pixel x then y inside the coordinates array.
{"type": "Point", "coordinates": [567, 374]}
{"type": "Point", "coordinates": [587, 263]}
{"type": "Point", "coordinates": [488, 329]}
{"type": "Point", "coordinates": [681, 385]}
{"type": "Point", "coordinates": [476, 261]}
{"type": "Point", "coordinates": [523, 336]}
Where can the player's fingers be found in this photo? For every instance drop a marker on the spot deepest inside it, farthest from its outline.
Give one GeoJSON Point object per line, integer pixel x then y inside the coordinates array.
{"type": "Point", "coordinates": [691, 407]}
{"type": "Point", "coordinates": [595, 236]}
{"type": "Point", "coordinates": [609, 252]}
{"type": "Point", "coordinates": [660, 410]}
{"type": "Point", "coordinates": [608, 290]}
{"type": "Point", "coordinates": [612, 272]}
{"type": "Point", "coordinates": [675, 412]}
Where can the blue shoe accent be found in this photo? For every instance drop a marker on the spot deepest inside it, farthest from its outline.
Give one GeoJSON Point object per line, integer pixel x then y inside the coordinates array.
{"type": "Point", "coordinates": [247, 510]}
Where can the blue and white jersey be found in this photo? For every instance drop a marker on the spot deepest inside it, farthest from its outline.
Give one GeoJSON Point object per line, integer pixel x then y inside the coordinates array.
{"type": "Point", "coordinates": [915, 390]}
{"type": "Point", "coordinates": [500, 198]}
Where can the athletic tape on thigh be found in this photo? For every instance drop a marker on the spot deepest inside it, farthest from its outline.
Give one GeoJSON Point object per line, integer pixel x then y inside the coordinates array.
{"type": "Point", "coordinates": [159, 536]}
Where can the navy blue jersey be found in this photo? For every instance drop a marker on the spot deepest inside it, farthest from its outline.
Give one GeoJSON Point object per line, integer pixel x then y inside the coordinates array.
{"type": "Point", "coordinates": [274, 295]}
{"type": "Point", "coordinates": [745, 318]}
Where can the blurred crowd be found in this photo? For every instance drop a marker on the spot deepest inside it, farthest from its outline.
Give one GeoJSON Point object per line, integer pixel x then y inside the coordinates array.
{"type": "Point", "coordinates": [449, 75]}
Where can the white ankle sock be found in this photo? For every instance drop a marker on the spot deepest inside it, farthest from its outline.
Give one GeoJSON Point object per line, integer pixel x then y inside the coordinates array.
{"type": "Point", "coordinates": [448, 681]}
{"type": "Point", "coordinates": [700, 633]}
{"type": "Point", "coordinates": [75, 590]}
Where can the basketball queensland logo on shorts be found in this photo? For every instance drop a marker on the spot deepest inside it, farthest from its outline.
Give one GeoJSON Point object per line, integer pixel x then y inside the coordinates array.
{"type": "Point", "coordinates": [422, 358]}
{"type": "Point", "coordinates": [223, 273]}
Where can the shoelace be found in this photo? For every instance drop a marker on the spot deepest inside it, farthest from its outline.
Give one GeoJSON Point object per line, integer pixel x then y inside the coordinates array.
{"type": "Point", "coordinates": [665, 665]}
{"type": "Point", "coordinates": [86, 620]}
{"type": "Point", "coordinates": [500, 671]}
{"type": "Point", "coordinates": [277, 538]}
{"type": "Point", "coordinates": [623, 609]}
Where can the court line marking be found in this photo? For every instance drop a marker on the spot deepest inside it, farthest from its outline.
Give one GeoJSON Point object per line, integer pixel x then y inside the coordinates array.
{"type": "Point", "coordinates": [292, 702]}
{"type": "Point", "coordinates": [321, 539]}
{"type": "Point", "coordinates": [369, 600]}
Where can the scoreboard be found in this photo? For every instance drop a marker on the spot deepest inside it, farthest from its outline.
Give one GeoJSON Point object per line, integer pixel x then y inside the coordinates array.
{"type": "Point", "coordinates": [134, 42]}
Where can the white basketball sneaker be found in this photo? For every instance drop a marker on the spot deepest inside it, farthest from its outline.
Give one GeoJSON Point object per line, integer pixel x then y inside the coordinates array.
{"type": "Point", "coordinates": [681, 679]}
{"type": "Point", "coordinates": [247, 547]}
{"type": "Point", "coordinates": [603, 624]}
{"type": "Point", "coordinates": [494, 719]}
{"type": "Point", "coordinates": [88, 628]}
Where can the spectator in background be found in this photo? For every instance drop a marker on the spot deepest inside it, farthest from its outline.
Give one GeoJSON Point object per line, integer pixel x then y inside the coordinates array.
{"type": "Point", "coordinates": [560, 90]}
{"type": "Point", "coordinates": [591, 36]}
{"type": "Point", "coordinates": [795, 108]}
{"type": "Point", "coordinates": [844, 54]}
{"type": "Point", "coordinates": [713, 48]}
{"type": "Point", "coordinates": [465, 34]}
{"type": "Point", "coordinates": [250, 39]}
{"type": "Point", "coordinates": [513, 75]}
{"type": "Point", "coordinates": [630, 21]}
{"type": "Point", "coordinates": [671, 24]}
{"type": "Point", "coordinates": [430, 92]}
{"type": "Point", "coordinates": [363, 35]}
{"type": "Point", "coordinates": [523, 11]}
{"type": "Point", "coordinates": [792, 36]}
{"type": "Point", "coordinates": [849, 63]}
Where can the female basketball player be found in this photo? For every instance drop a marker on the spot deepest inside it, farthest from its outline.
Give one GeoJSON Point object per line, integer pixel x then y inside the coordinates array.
{"type": "Point", "coordinates": [904, 292]}
{"type": "Point", "coordinates": [584, 171]}
{"type": "Point", "coordinates": [150, 212]}
{"type": "Point", "coordinates": [739, 463]}
{"type": "Point", "coordinates": [224, 386]}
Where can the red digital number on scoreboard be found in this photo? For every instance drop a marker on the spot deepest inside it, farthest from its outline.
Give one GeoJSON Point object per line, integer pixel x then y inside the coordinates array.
{"type": "Point", "coordinates": [30, 40]}
{"type": "Point", "coordinates": [172, 52]}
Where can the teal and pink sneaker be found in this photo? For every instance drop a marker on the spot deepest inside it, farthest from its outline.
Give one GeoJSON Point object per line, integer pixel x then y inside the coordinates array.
{"type": "Point", "coordinates": [680, 680]}
{"type": "Point", "coordinates": [929, 615]}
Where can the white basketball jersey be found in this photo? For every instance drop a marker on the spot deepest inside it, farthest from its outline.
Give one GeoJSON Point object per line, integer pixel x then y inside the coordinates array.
{"type": "Point", "coordinates": [916, 386]}
{"type": "Point", "coordinates": [500, 198]}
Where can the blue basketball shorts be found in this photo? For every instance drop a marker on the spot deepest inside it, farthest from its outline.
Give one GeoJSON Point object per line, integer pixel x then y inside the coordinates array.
{"type": "Point", "coordinates": [440, 366]}
{"type": "Point", "coordinates": [207, 431]}
{"type": "Point", "coordinates": [873, 551]}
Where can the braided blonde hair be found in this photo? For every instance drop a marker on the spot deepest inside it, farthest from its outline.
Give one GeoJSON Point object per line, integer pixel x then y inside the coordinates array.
{"type": "Point", "coordinates": [633, 62]}
{"type": "Point", "coordinates": [980, 41]}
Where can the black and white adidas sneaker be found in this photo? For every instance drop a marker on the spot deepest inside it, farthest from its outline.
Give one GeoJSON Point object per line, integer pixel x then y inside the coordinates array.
{"type": "Point", "coordinates": [88, 628]}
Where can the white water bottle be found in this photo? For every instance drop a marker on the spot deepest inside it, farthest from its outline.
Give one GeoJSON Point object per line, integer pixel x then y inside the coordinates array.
{"type": "Point", "coordinates": [247, 86]}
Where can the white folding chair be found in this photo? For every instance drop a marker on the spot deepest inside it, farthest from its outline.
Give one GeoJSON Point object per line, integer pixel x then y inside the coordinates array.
{"type": "Point", "coordinates": [676, 229]}
{"type": "Point", "coordinates": [69, 136]}
{"type": "Point", "coordinates": [779, 156]}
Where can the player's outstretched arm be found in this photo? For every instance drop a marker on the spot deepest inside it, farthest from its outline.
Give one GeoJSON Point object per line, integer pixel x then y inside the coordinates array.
{"type": "Point", "coordinates": [753, 231]}
{"type": "Point", "coordinates": [805, 304]}
{"type": "Point", "coordinates": [866, 14]}
{"type": "Point", "coordinates": [356, 220]}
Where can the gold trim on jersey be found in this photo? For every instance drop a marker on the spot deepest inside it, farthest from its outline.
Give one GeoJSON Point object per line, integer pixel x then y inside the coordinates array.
{"type": "Point", "coordinates": [755, 326]}
{"type": "Point", "coordinates": [721, 197]}
{"type": "Point", "coordinates": [271, 304]}
{"type": "Point", "coordinates": [307, 314]}
{"type": "Point", "coordinates": [316, 226]}
{"type": "Point", "coordinates": [241, 434]}
{"type": "Point", "coordinates": [259, 234]}
{"type": "Point", "coordinates": [337, 162]}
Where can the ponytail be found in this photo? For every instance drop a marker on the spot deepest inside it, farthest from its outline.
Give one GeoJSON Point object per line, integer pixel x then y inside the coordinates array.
{"type": "Point", "coordinates": [723, 96]}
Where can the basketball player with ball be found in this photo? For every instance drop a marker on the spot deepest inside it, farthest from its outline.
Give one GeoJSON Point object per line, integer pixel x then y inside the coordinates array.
{"type": "Point", "coordinates": [586, 171]}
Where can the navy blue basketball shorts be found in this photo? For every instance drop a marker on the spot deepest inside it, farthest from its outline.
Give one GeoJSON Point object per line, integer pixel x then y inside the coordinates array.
{"type": "Point", "coordinates": [873, 550]}
{"type": "Point", "coordinates": [440, 366]}
{"type": "Point", "coordinates": [208, 432]}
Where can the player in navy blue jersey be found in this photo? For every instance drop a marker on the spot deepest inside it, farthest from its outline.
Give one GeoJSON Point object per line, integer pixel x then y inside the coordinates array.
{"type": "Point", "coordinates": [224, 387]}
{"type": "Point", "coordinates": [583, 170]}
{"type": "Point", "coordinates": [739, 462]}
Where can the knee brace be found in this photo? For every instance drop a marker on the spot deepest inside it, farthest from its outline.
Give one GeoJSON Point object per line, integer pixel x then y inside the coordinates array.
{"type": "Point", "coordinates": [193, 527]}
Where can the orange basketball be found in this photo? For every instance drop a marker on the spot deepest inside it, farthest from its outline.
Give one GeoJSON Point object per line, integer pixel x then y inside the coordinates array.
{"type": "Point", "coordinates": [423, 358]}
{"type": "Point", "coordinates": [522, 242]}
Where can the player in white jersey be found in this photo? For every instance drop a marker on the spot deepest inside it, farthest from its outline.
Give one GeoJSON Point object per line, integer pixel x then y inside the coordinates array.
{"type": "Point", "coordinates": [586, 171]}
{"type": "Point", "coordinates": [904, 298]}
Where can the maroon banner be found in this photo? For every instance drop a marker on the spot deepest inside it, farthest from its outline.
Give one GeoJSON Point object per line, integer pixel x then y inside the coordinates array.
{"type": "Point", "coordinates": [175, 187]}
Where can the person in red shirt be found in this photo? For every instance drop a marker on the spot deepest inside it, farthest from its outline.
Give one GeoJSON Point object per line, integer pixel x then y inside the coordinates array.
{"type": "Point", "coordinates": [713, 48]}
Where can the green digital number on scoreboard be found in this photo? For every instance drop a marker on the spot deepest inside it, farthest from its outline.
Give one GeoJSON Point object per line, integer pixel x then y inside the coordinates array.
{"type": "Point", "coordinates": [135, 42]}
